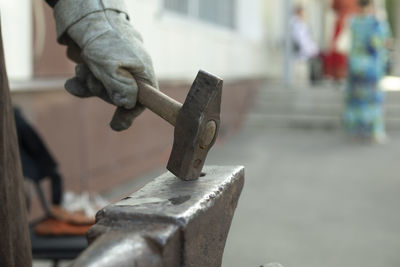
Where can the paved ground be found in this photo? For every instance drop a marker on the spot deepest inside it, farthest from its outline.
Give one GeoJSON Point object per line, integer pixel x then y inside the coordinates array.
{"type": "Point", "coordinates": [313, 198]}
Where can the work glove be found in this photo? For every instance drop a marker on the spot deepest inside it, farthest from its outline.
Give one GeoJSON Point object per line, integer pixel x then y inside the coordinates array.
{"type": "Point", "coordinates": [110, 51]}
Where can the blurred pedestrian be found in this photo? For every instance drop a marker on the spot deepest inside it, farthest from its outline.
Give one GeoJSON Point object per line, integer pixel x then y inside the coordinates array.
{"type": "Point", "coordinates": [363, 115]}
{"type": "Point", "coordinates": [335, 61]}
{"type": "Point", "coordinates": [304, 47]}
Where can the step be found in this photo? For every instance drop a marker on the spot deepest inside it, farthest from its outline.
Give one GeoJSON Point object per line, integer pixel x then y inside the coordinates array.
{"type": "Point", "coordinates": [309, 103]}
{"type": "Point", "coordinates": [308, 122]}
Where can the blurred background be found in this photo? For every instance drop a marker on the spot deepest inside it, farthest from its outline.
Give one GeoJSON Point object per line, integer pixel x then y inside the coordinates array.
{"type": "Point", "coordinates": [314, 196]}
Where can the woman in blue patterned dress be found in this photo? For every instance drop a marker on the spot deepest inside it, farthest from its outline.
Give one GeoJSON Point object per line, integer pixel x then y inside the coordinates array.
{"type": "Point", "coordinates": [363, 115]}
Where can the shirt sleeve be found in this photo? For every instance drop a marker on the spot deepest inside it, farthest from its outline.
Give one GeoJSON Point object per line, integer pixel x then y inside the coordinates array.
{"type": "Point", "coordinates": [52, 3]}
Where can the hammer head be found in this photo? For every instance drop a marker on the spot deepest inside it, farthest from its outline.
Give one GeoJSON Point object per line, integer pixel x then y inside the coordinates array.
{"type": "Point", "coordinates": [196, 127]}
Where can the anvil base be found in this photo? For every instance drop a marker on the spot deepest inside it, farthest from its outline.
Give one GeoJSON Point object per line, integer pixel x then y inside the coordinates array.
{"type": "Point", "coordinates": [169, 222]}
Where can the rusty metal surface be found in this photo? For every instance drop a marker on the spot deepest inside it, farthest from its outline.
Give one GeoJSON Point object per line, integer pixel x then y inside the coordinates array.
{"type": "Point", "coordinates": [201, 110]}
{"type": "Point", "coordinates": [169, 222]}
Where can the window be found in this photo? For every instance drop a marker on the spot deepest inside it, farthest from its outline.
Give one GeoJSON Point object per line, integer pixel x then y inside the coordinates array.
{"type": "Point", "coordinates": [180, 6]}
{"type": "Point", "coordinates": [221, 12]}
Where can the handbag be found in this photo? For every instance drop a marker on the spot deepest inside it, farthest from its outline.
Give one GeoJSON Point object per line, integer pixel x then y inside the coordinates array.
{"type": "Point", "coordinates": [344, 40]}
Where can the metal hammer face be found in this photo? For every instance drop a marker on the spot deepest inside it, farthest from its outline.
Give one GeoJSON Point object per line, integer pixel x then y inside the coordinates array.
{"type": "Point", "coordinates": [196, 121]}
{"type": "Point", "coordinates": [197, 127]}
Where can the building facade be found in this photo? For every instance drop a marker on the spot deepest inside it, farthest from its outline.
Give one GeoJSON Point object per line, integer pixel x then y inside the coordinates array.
{"type": "Point", "coordinates": [177, 33]}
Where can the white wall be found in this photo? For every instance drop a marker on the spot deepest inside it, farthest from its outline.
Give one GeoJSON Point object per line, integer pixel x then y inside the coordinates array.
{"type": "Point", "coordinates": [17, 37]}
{"type": "Point", "coordinates": [249, 19]}
{"type": "Point", "coordinates": [274, 27]}
{"type": "Point", "coordinates": [180, 46]}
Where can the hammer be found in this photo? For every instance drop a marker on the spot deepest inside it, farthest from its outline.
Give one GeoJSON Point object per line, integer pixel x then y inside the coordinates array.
{"type": "Point", "coordinates": [196, 122]}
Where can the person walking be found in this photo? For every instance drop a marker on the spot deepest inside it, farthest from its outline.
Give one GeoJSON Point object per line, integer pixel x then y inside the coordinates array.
{"type": "Point", "coordinates": [363, 114]}
{"type": "Point", "coordinates": [304, 47]}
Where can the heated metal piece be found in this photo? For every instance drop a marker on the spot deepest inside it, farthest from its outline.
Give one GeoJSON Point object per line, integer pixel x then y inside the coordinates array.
{"type": "Point", "coordinates": [169, 222]}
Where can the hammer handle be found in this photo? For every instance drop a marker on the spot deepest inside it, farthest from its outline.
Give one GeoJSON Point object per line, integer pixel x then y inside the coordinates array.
{"type": "Point", "coordinates": [161, 104]}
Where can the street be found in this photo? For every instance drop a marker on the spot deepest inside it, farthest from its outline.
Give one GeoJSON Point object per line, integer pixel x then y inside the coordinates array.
{"type": "Point", "coordinates": [313, 198]}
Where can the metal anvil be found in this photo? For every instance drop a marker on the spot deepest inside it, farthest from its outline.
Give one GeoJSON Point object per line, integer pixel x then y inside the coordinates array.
{"type": "Point", "coordinates": [169, 222]}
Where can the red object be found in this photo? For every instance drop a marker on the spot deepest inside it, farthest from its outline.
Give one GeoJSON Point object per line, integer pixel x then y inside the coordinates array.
{"type": "Point", "coordinates": [56, 227]}
{"type": "Point", "coordinates": [335, 63]}
{"type": "Point", "coordinates": [345, 6]}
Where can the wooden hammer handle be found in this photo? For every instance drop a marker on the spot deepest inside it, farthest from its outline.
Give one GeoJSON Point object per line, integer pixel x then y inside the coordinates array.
{"type": "Point", "coordinates": [161, 104]}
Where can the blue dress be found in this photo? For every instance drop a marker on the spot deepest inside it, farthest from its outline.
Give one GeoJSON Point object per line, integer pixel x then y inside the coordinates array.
{"type": "Point", "coordinates": [367, 62]}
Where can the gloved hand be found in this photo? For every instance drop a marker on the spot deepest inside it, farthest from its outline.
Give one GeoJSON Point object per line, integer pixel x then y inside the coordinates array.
{"type": "Point", "coordinates": [98, 33]}
{"type": "Point", "coordinates": [85, 84]}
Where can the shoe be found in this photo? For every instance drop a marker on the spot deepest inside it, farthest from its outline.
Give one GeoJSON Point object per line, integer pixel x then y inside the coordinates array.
{"type": "Point", "coordinates": [380, 138]}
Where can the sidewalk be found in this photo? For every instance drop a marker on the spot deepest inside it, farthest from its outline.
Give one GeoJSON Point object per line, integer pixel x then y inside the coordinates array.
{"type": "Point", "coordinates": [313, 198]}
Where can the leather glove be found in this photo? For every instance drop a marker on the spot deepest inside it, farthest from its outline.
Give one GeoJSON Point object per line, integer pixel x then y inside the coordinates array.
{"type": "Point", "coordinates": [98, 33]}
{"type": "Point", "coordinates": [85, 84]}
